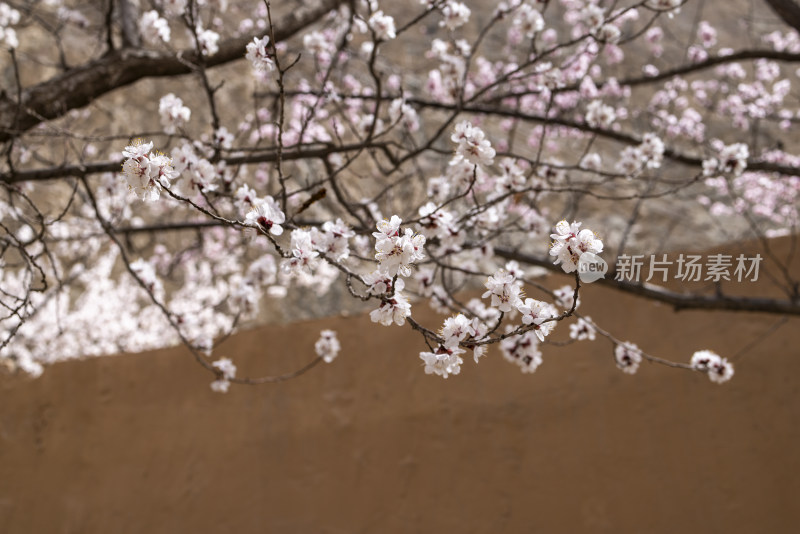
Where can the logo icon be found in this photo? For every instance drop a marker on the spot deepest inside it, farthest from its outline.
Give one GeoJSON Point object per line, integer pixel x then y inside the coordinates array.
{"type": "Point", "coordinates": [591, 268]}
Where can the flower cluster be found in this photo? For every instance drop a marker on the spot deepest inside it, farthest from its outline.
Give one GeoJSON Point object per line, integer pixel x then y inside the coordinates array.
{"type": "Point", "coordinates": [174, 114]}
{"type": "Point", "coordinates": [460, 330]}
{"type": "Point", "coordinates": [719, 369]}
{"type": "Point", "coordinates": [570, 243]}
{"type": "Point", "coordinates": [382, 25]}
{"type": "Point", "coordinates": [456, 14]}
{"type": "Point", "coordinates": [522, 350]}
{"type": "Point", "coordinates": [266, 215]}
{"type": "Point", "coordinates": [505, 291]}
{"type": "Point", "coordinates": [396, 252]}
{"type": "Point", "coordinates": [8, 16]}
{"type": "Point", "coordinates": [394, 308]}
{"type": "Point", "coordinates": [730, 159]}
{"type": "Point", "coordinates": [258, 56]}
{"type": "Point", "coordinates": [327, 346]}
{"type": "Point", "coordinates": [472, 145]}
{"type": "Point", "coordinates": [649, 154]}
{"type": "Point", "coordinates": [599, 115]}
{"type": "Point", "coordinates": [207, 41]}
{"type": "Point", "coordinates": [538, 313]}
{"type": "Point", "coordinates": [154, 28]}
{"type": "Point", "coordinates": [226, 370]}
{"type": "Point", "coordinates": [582, 329]}
{"type": "Point", "coordinates": [628, 357]}
{"type": "Point", "coordinates": [443, 362]}
{"type": "Point", "coordinates": [145, 171]}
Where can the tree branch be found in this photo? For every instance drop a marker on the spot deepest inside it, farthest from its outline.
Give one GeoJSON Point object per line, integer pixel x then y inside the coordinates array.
{"type": "Point", "coordinates": [787, 10]}
{"type": "Point", "coordinates": [118, 68]}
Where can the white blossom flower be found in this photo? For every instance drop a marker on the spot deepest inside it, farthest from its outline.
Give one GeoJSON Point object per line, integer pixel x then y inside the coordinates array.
{"type": "Point", "coordinates": [154, 28]}
{"type": "Point", "coordinates": [208, 41]}
{"type": "Point", "coordinates": [327, 346]}
{"type": "Point", "coordinates": [396, 253]}
{"type": "Point", "coordinates": [719, 369]}
{"type": "Point", "coordinates": [304, 257]}
{"type": "Point", "coordinates": [522, 350]}
{"type": "Point", "coordinates": [565, 295]}
{"type": "Point", "coordinates": [628, 357]}
{"type": "Point", "coordinates": [528, 20]}
{"type": "Point", "coordinates": [472, 145]}
{"type": "Point", "coordinates": [505, 291]}
{"type": "Point", "coordinates": [267, 215]}
{"type": "Point", "coordinates": [582, 329]}
{"type": "Point", "coordinates": [382, 25]}
{"type": "Point", "coordinates": [536, 312]}
{"type": "Point", "coordinates": [258, 56]}
{"type": "Point", "coordinates": [456, 14]}
{"type": "Point", "coordinates": [393, 310]}
{"type": "Point", "coordinates": [731, 159]}
{"type": "Point", "coordinates": [173, 113]}
{"type": "Point", "coordinates": [444, 362]}
{"type": "Point", "coordinates": [599, 115]}
{"type": "Point", "coordinates": [455, 330]}
{"type": "Point", "coordinates": [226, 370]}
{"type": "Point", "coordinates": [146, 173]}
{"type": "Point", "coordinates": [570, 243]}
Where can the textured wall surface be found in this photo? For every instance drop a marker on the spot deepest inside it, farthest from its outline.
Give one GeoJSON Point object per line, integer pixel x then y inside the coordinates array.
{"type": "Point", "coordinates": [371, 444]}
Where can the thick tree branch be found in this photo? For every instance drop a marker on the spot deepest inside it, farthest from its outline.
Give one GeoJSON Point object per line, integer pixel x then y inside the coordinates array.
{"type": "Point", "coordinates": [788, 11]}
{"type": "Point", "coordinates": [63, 171]}
{"type": "Point", "coordinates": [118, 68]}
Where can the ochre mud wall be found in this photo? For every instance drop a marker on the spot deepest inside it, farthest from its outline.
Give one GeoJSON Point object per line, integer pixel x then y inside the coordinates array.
{"type": "Point", "coordinates": [371, 444]}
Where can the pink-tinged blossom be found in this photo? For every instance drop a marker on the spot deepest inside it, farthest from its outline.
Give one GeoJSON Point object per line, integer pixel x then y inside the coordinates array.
{"type": "Point", "coordinates": [707, 34]}
{"type": "Point", "coordinates": [404, 114]}
{"type": "Point", "coordinates": [628, 357]}
{"type": "Point", "coordinates": [327, 346]}
{"type": "Point", "coordinates": [528, 21]}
